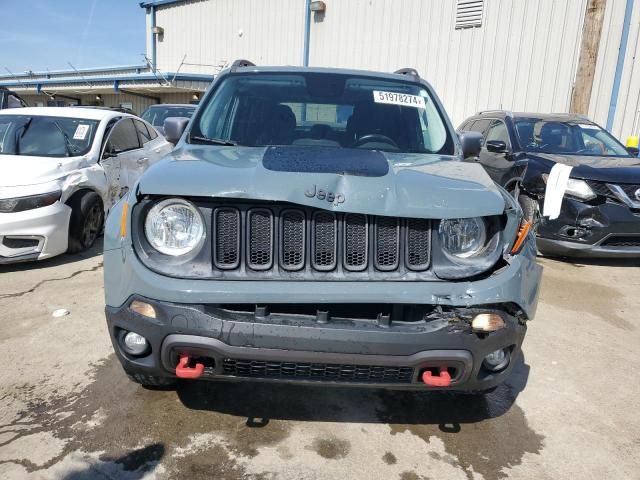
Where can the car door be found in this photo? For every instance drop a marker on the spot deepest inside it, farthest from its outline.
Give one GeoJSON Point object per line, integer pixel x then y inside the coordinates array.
{"type": "Point", "coordinates": [497, 163]}
{"type": "Point", "coordinates": [155, 146]}
{"type": "Point", "coordinates": [121, 157]}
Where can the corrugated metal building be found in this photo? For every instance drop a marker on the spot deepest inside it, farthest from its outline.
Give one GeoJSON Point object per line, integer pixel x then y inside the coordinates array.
{"type": "Point", "coordinates": [479, 54]}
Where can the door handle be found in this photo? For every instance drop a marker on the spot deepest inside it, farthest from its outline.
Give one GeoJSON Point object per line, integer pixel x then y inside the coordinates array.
{"type": "Point", "coordinates": [142, 160]}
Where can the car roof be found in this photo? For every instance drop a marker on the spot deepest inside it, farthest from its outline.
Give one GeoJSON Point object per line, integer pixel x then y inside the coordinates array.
{"type": "Point", "coordinates": [180, 105]}
{"type": "Point", "coordinates": [328, 70]}
{"type": "Point", "coordinates": [66, 112]}
{"type": "Point", "coordinates": [557, 117]}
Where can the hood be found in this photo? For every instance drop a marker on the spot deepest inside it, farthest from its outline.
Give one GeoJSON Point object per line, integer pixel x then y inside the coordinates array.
{"type": "Point", "coordinates": [604, 169]}
{"type": "Point", "coordinates": [19, 170]}
{"type": "Point", "coordinates": [339, 179]}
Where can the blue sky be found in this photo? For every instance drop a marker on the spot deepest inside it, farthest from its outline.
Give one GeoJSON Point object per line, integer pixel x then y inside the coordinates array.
{"type": "Point", "coordinates": [46, 34]}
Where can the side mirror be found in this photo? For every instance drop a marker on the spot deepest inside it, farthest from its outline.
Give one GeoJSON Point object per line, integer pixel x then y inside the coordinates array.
{"type": "Point", "coordinates": [497, 146]}
{"type": "Point", "coordinates": [471, 143]}
{"type": "Point", "coordinates": [107, 154]}
{"type": "Point", "coordinates": [633, 151]}
{"type": "Point", "coordinates": [174, 127]}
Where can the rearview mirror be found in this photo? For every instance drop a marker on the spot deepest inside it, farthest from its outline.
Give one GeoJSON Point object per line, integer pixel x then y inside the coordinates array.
{"type": "Point", "coordinates": [471, 143]}
{"type": "Point", "coordinates": [497, 146]}
{"type": "Point", "coordinates": [174, 127]}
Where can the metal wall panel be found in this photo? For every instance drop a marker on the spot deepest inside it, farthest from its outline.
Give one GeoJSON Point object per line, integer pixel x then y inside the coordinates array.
{"type": "Point", "coordinates": [626, 120]}
{"type": "Point", "coordinates": [212, 33]}
{"type": "Point", "coordinates": [523, 57]}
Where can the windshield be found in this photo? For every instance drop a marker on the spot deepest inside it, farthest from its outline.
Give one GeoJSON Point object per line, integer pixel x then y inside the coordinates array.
{"type": "Point", "coordinates": [322, 109]}
{"type": "Point", "coordinates": [567, 138]}
{"type": "Point", "coordinates": [45, 136]}
{"type": "Point", "coordinates": [157, 115]}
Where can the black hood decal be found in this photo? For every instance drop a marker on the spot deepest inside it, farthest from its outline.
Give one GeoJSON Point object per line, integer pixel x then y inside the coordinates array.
{"type": "Point", "coordinates": [344, 161]}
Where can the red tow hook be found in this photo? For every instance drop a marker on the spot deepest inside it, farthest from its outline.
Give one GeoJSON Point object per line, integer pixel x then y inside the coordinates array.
{"type": "Point", "coordinates": [183, 370]}
{"type": "Point", "coordinates": [442, 380]}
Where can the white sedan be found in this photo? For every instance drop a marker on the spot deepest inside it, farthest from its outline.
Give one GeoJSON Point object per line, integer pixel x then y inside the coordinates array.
{"type": "Point", "coordinates": [61, 170]}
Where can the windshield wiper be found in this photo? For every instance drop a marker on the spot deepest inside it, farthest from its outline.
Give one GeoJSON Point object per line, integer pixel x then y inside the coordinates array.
{"type": "Point", "coordinates": [67, 143]}
{"type": "Point", "coordinates": [212, 141]}
{"type": "Point", "coordinates": [24, 128]}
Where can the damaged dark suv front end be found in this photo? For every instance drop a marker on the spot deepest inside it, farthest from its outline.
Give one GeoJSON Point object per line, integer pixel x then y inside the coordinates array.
{"type": "Point", "coordinates": [327, 257]}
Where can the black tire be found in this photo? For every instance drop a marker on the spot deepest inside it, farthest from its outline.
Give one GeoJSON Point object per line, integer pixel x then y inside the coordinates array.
{"type": "Point", "coordinates": [529, 208]}
{"type": "Point", "coordinates": [150, 381]}
{"type": "Point", "coordinates": [87, 218]}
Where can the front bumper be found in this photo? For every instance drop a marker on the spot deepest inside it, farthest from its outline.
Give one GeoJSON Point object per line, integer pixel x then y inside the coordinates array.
{"type": "Point", "coordinates": [34, 234]}
{"type": "Point", "coordinates": [284, 348]}
{"type": "Point", "coordinates": [582, 230]}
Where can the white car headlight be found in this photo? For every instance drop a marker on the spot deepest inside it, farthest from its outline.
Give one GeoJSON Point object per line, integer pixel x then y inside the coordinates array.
{"type": "Point", "coordinates": [174, 227]}
{"type": "Point", "coordinates": [462, 237]}
{"type": "Point", "coordinates": [579, 189]}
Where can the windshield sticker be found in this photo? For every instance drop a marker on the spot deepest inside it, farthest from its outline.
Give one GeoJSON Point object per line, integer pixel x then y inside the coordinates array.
{"type": "Point", "coordinates": [394, 98]}
{"type": "Point", "coordinates": [81, 132]}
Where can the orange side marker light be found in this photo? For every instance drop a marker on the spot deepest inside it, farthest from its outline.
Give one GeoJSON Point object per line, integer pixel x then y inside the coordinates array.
{"type": "Point", "coordinates": [123, 219]}
{"type": "Point", "coordinates": [522, 235]}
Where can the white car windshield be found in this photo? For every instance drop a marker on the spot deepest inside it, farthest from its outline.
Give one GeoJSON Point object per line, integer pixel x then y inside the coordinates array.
{"type": "Point", "coordinates": [44, 136]}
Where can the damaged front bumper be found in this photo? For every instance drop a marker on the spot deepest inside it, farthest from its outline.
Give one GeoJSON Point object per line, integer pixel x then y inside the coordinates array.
{"type": "Point", "coordinates": [210, 320]}
{"type": "Point", "coordinates": [582, 230]}
{"type": "Point", "coordinates": [34, 234]}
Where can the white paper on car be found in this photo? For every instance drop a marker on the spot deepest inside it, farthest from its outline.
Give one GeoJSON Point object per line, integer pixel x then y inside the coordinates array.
{"type": "Point", "coordinates": [81, 132]}
{"type": "Point", "coordinates": [554, 193]}
{"type": "Point", "coordinates": [395, 98]}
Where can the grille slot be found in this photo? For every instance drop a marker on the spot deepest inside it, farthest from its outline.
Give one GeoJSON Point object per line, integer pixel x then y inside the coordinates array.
{"type": "Point", "coordinates": [622, 241]}
{"type": "Point", "coordinates": [292, 235]}
{"type": "Point", "coordinates": [356, 242]}
{"type": "Point", "coordinates": [260, 239]}
{"type": "Point", "coordinates": [316, 371]}
{"type": "Point", "coordinates": [226, 245]}
{"type": "Point", "coordinates": [325, 239]}
{"type": "Point", "coordinates": [387, 242]}
{"type": "Point", "coordinates": [418, 244]}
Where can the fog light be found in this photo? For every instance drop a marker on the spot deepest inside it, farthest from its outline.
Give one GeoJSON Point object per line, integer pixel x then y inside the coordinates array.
{"type": "Point", "coordinates": [143, 308]}
{"type": "Point", "coordinates": [487, 322]}
{"type": "Point", "coordinates": [497, 360]}
{"type": "Point", "coordinates": [135, 344]}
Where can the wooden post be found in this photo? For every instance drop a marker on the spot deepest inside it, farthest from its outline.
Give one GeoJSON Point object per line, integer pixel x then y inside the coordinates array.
{"type": "Point", "coordinates": [591, 31]}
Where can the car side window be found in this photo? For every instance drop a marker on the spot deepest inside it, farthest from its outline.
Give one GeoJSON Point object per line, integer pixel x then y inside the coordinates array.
{"type": "Point", "coordinates": [143, 131]}
{"type": "Point", "coordinates": [152, 132]}
{"type": "Point", "coordinates": [479, 126]}
{"type": "Point", "coordinates": [123, 137]}
{"type": "Point", "coordinates": [498, 131]}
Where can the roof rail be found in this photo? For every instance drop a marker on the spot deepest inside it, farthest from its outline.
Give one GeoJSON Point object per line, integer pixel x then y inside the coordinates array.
{"type": "Point", "coordinates": [507, 113]}
{"type": "Point", "coordinates": [408, 71]}
{"type": "Point", "coordinates": [242, 63]}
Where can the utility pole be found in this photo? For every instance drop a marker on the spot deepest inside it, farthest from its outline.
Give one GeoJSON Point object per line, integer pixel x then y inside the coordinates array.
{"type": "Point", "coordinates": [591, 32]}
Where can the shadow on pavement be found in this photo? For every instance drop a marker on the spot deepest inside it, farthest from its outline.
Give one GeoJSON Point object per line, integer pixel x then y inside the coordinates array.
{"type": "Point", "coordinates": [598, 262]}
{"type": "Point", "coordinates": [262, 402]}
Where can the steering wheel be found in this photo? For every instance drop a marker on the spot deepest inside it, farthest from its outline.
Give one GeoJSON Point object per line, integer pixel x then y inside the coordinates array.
{"type": "Point", "coordinates": [375, 137]}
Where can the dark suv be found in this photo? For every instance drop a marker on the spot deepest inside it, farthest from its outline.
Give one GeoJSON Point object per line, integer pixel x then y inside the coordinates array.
{"type": "Point", "coordinates": [599, 213]}
{"type": "Point", "coordinates": [9, 99]}
{"type": "Point", "coordinates": [318, 226]}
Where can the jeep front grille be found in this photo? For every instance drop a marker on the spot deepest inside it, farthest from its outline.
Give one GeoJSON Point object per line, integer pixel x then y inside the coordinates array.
{"type": "Point", "coordinates": [287, 241]}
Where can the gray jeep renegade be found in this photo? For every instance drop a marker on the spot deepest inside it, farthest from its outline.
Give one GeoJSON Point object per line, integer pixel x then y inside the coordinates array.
{"type": "Point", "coordinates": [318, 226]}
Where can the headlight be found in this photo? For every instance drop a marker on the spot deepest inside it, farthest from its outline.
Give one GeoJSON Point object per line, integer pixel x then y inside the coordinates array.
{"type": "Point", "coordinates": [579, 189]}
{"type": "Point", "coordinates": [467, 246]}
{"type": "Point", "coordinates": [20, 204]}
{"type": "Point", "coordinates": [174, 227]}
{"type": "Point", "coordinates": [462, 237]}
{"type": "Point", "coordinates": [576, 188]}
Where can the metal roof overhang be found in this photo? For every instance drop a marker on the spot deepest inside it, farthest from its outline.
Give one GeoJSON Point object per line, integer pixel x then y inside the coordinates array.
{"type": "Point", "coordinates": [145, 83]}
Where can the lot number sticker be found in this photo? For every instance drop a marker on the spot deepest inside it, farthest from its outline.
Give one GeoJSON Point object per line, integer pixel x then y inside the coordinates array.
{"type": "Point", "coordinates": [394, 98]}
{"type": "Point", "coordinates": [81, 132]}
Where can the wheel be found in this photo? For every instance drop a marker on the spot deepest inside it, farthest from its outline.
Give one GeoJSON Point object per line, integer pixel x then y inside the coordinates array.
{"type": "Point", "coordinates": [150, 381]}
{"type": "Point", "coordinates": [529, 207]}
{"type": "Point", "coordinates": [87, 217]}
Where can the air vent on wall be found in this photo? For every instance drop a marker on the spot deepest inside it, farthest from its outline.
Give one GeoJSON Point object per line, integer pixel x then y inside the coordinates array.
{"type": "Point", "coordinates": [469, 13]}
